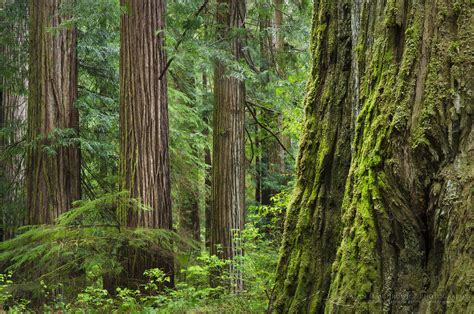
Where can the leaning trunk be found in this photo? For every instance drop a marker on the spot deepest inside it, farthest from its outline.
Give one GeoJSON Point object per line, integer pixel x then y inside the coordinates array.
{"type": "Point", "coordinates": [383, 203]}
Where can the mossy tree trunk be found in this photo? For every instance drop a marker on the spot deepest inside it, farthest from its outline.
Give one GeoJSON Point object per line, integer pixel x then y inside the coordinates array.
{"type": "Point", "coordinates": [144, 155]}
{"type": "Point", "coordinates": [382, 210]}
{"type": "Point", "coordinates": [53, 168]}
{"type": "Point", "coordinates": [228, 163]}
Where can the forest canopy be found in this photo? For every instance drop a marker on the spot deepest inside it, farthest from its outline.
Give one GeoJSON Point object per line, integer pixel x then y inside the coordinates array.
{"type": "Point", "coordinates": [241, 156]}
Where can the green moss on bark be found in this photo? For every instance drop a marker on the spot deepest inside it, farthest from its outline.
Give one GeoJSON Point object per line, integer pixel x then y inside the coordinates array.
{"type": "Point", "coordinates": [403, 211]}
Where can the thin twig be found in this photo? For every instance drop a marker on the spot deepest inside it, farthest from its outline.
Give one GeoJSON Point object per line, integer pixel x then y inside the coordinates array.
{"type": "Point", "coordinates": [261, 107]}
{"type": "Point", "coordinates": [251, 145]}
{"type": "Point", "coordinates": [181, 39]}
{"type": "Point", "coordinates": [268, 130]}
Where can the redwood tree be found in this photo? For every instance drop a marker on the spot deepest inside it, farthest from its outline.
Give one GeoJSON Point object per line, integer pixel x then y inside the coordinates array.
{"type": "Point", "coordinates": [13, 107]}
{"type": "Point", "coordinates": [382, 210]}
{"type": "Point", "coordinates": [270, 166]}
{"type": "Point", "coordinates": [228, 163]}
{"type": "Point", "coordinates": [144, 156]}
{"type": "Point", "coordinates": [53, 168]}
{"type": "Point", "coordinates": [144, 166]}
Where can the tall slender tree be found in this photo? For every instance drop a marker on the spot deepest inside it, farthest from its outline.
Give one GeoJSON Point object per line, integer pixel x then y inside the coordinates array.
{"type": "Point", "coordinates": [53, 167]}
{"type": "Point", "coordinates": [270, 165]}
{"type": "Point", "coordinates": [228, 164]}
{"type": "Point", "coordinates": [13, 107]}
{"type": "Point", "coordinates": [208, 164]}
{"type": "Point", "coordinates": [279, 40]}
{"type": "Point", "coordinates": [262, 194]}
{"type": "Point", "coordinates": [207, 99]}
{"type": "Point", "coordinates": [144, 155]}
{"type": "Point", "coordinates": [382, 212]}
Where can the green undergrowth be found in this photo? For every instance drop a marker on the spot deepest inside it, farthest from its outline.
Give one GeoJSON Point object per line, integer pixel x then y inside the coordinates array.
{"type": "Point", "coordinates": [69, 266]}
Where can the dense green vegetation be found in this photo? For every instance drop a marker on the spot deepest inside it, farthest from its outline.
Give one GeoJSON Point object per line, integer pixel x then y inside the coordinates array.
{"type": "Point", "coordinates": [236, 156]}
{"type": "Point", "coordinates": [78, 262]}
{"type": "Point", "coordinates": [68, 266]}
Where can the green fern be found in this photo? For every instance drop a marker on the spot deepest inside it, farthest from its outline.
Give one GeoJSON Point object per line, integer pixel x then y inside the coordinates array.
{"type": "Point", "coordinates": [88, 236]}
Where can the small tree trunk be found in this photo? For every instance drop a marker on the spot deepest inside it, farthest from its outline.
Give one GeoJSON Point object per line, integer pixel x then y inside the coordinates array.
{"type": "Point", "coordinates": [228, 194]}
{"type": "Point", "coordinates": [279, 39]}
{"type": "Point", "coordinates": [279, 159]}
{"type": "Point", "coordinates": [258, 164]}
{"type": "Point", "coordinates": [272, 163]}
{"type": "Point", "coordinates": [53, 171]}
{"type": "Point", "coordinates": [189, 215]}
{"type": "Point", "coordinates": [208, 173]}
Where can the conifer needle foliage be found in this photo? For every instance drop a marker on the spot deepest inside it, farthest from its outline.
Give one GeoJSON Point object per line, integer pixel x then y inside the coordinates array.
{"type": "Point", "coordinates": [84, 244]}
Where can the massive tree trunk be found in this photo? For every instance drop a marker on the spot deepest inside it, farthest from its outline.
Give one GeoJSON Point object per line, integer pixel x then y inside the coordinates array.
{"type": "Point", "coordinates": [382, 209]}
{"type": "Point", "coordinates": [53, 169]}
{"type": "Point", "coordinates": [228, 197]}
{"type": "Point", "coordinates": [144, 155]}
{"type": "Point", "coordinates": [13, 107]}
{"type": "Point", "coordinates": [144, 165]}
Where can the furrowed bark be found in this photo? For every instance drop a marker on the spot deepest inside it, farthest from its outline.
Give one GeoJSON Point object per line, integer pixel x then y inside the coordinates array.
{"type": "Point", "coordinates": [395, 234]}
{"type": "Point", "coordinates": [279, 40]}
{"type": "Point", "coordinates": [53, 169]}
{"type": "Point", "coordinates": [228, 198]}
{"type": "Point", "coordinates": [13, 107]}
{"type": "Point", "coordinates": [144, 155]}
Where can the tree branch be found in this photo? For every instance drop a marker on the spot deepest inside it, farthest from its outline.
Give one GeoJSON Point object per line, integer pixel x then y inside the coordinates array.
{"type": "Point", "coordinates": [268, 130]}
{"type": "Point", "coordinates": [261, 107]}
{"type": "Point", "coordinates": [183, 35]}
{"type": "Point", "coordinates": [251, 145]}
